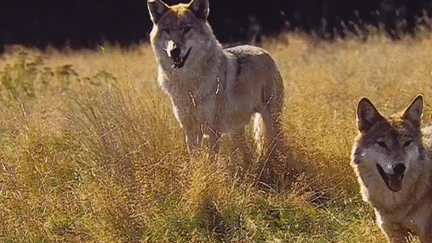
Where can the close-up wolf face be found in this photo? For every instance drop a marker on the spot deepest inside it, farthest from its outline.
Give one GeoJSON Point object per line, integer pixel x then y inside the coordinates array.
{"type": "Point", "coordinates": [177, 28]}
{"type": "Point", "coordinates": [389, 147]}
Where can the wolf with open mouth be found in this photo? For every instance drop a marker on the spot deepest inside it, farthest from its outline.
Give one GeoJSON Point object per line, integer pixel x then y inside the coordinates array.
{"type": "Point", "coordinates": [391, 157]}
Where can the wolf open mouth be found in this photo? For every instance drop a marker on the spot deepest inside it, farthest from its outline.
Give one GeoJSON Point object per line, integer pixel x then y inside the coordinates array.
{"type": "Point", "coordinates": [393, 182]}
{"type": "Point", "coordinates": [179, 62]}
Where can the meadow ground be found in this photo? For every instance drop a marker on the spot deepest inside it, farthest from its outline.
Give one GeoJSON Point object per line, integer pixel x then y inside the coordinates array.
{"type": "Point", "coordinates": [91, 152]}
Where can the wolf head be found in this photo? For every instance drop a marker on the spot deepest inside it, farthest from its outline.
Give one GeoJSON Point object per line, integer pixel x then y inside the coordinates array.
{"type": "Point", "coordinates": [388, 146]}
{"type": "Point", "coordinates": [176, 29]}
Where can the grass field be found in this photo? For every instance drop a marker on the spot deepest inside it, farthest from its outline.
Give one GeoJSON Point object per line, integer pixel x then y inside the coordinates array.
{"type": "Point", "coordinates": [91, 152]}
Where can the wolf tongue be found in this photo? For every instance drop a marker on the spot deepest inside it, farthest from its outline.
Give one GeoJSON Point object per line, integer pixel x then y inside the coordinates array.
{"type": "Point", "coordinates": [395, 182]}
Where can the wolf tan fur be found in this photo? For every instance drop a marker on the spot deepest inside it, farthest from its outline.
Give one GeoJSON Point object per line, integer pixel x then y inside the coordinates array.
{"type": "Point", "coordinates": [213, 90]}
{"type": "Point", "coordinates": [401, 193]}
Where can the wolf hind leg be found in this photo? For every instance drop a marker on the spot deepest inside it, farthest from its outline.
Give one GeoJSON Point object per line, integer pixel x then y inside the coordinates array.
{"type": "Point", "coordinates": [240, 146]}
{"type": "Point", "coordinates": [271, 140]}
{"type": "Point", "coordinates": [267, 142]}
{"type": "Point", "coordinates": [263, 131]}
{"type": "Point", "coordinates": [271, 109]}
{"type": "Point", "coordinates": [267, 130]}
{"type": "Point", "coordinates": [214, 141]}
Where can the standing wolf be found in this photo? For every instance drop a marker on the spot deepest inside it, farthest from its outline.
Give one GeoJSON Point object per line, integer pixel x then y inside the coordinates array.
{"type": "Point", "coordinates": [391, 158]}
{"type": "Point", "coordinates": [213, 90]}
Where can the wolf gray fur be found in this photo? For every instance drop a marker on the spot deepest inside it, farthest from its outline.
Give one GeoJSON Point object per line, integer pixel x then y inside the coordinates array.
{"type": "Point", "coordinates": [391, 157]}
{"type": "Point", "coordinates": [214, 91]}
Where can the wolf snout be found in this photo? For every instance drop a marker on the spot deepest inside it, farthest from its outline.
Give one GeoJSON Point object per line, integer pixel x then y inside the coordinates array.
{"type": "Point", "coordinates": [175, 52]}
{"type": "Point", "coordinates": [399, 169]}
{"type": "Point", "coordinates": [393, 180]}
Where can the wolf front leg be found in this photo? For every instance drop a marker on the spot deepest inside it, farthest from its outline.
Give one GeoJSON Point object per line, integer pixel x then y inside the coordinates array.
{"type": "Point", "coordinates": [425, 234]}
{"type": "Point", "coordinates": [214, 141]}
{"type": "Point", "coordinates": [426, 238]}
{"type": "Point", "coordinates": [396, 233]}
{"type": "Point", "coordinates": [194, 141]}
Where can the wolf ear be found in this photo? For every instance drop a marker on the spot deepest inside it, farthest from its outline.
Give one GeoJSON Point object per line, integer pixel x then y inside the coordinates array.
{"type": "Point", "coordinates": [156, 8]}
{"type": "Point", "coordinates": [414, 111]}
{"type": "Point", "coordinates": [367, 115]}
{"type": "Point", "coordinates": [200, 8]}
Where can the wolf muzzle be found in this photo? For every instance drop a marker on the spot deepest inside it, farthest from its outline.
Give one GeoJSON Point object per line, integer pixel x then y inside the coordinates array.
{"type": "Point", "coordinates": [174, 52]}
{"type": "Point", "coordinates": [393, 181]}
{"type": "Point", "coordinates": [178, 61]}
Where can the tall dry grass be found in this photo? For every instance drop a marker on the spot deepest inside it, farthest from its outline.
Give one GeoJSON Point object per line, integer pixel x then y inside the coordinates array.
{"type": "Point", "coordinates": [90, 150]}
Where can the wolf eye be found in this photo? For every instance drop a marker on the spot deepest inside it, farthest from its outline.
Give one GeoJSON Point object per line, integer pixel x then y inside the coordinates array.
{"type": "Point", "coordinates": [407, 143]}
{"type": "Point", "coordinates": [382, 144]}
{"type": "Point", "coordinates": [166, 30]}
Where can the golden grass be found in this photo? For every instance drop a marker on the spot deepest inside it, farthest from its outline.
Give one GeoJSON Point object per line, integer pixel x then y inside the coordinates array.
{"type": "Point", "coordinates": [90, 150]}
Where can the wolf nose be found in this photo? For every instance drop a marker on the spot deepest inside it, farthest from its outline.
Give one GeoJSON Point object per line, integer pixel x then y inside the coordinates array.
{"type": "Point", "coordinates": [399, 169]}
{"type": "Point", "coordinates": [175, 53]}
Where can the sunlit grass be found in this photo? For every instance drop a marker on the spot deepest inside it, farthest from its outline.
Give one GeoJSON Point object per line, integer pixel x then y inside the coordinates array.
{"type": "Point", "coordinates": [91, 152]}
